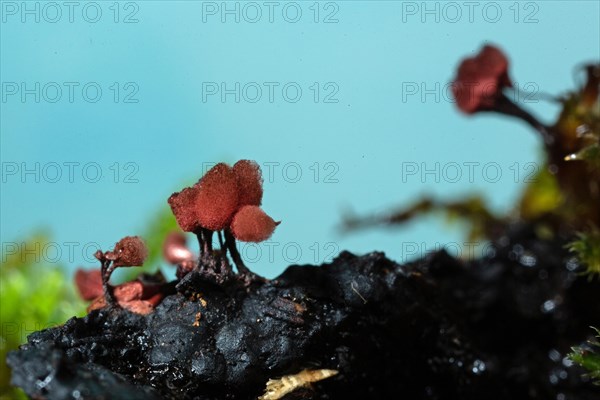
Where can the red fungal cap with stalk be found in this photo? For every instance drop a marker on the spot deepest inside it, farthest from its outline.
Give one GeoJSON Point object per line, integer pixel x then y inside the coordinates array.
{"type": "Point", "coordinates": [129, 252]}
{"type": "Point", "coordinates": [217, 198]}
{"type": "Point", "coordinates": [249, 180]}
{"type": "Point", "coordinates": [251, 224]}
{"type": "Point", "coordinates": [183, 207]}
{"type": "Point", "coordinates": [480, 80]}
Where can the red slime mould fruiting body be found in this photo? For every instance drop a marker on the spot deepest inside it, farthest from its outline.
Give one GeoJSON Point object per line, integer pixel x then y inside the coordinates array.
{"type": "Point", "coordinates": [480, 80]}
{"type": "Point", "coordinates": [225, 200]}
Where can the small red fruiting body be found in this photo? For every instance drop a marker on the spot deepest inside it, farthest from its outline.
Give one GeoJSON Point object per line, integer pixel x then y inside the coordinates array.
{"type": "Point", "coordinates": [480, 80]}
{"type": "Point", "coordinates": [136, 296]}
{"type": "Point", "coordinates": [89, 283]}
{"type": "Point", "coordinates": [214, 202]}
{"type": "Point", "coordinates": [130, 251]}
{"type": "Point", "coordinates": [175, 250]}
{"type": "Point", "coordinates": [225, 199]}
{"type": "Point", "coordinates": [251, 224]}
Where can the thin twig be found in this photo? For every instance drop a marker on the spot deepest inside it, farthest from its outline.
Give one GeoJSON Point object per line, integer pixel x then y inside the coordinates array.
{"type": "Point", "coordinates": [356, 291]}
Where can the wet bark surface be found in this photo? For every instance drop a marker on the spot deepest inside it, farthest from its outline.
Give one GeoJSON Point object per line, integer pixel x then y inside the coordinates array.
{"type": "Point", "coordinates": [438, 328]}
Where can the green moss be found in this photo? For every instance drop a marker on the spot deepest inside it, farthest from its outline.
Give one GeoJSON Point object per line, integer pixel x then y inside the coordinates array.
{"type": "Point", "coordinates": [34, 295]}
{"type": "Point", "coordinates": [587, 250]}
{"type": "Point", "coordinates": [541, 196]}
{"type": "Point", "coordinates": [589, 358]}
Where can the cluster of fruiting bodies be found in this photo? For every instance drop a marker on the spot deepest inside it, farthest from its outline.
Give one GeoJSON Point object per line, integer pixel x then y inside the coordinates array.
{"type": "Point", "coordinates": [140, 295]}
{"type": "Point", "coordinates": [226, 200]}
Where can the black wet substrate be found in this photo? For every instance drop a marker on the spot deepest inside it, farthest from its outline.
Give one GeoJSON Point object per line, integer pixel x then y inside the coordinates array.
{"type": "Point", "coordinates": [438, 328]}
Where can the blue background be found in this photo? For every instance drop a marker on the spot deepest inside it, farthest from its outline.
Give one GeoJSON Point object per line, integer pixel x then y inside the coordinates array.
{"type": "Point", "coordinates": [372, 53]}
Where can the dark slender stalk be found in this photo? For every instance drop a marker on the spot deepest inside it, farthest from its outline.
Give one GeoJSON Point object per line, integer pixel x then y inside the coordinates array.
{"type": "Point", "coordinates": [204, 240]}
{"type": "Point", "coordinates": [507, 107]}
{"type": "Point", "coordinates": [221, 241]}
{"type": "Point", "coordinates": [247, 276]}
{"type": "Point", "coordinates": [106, 271]}
{"type": "Point", "coordinates": [207, 235]}
{"type": "Point", "coordinates": [200, 236]}
{"type": "Point", "coordinates": [522, 94]}
{"type": "Point", "coordinates": [234, 253]}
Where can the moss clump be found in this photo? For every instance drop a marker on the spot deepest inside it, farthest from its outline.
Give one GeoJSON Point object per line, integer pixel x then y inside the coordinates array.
{"type": "Point", "coordinates": [588, 356]}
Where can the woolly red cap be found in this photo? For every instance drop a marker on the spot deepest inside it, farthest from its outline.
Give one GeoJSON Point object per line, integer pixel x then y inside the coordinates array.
{"type": "Point", "coordinates": [130, 251]}
{"type": "Point", "coordinates": [89, 283]}
{"type": "Point", "coordinates": [251, 224]}
{"type": "Point", "coordinates": [250, 181]}
{"type": "Point", "coordinates": [480, 80]}
{"type": "Point", "coordinates": [183, 207]}
{"type": "Point", "coordinates": [217, 198]}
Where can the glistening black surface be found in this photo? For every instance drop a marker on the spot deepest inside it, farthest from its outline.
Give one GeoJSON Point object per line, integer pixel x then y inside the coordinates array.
{"type": "Point", "coordinates": [437, 328]}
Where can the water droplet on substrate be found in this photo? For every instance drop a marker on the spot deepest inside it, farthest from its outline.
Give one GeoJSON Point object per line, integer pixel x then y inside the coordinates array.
{"type": "Point", "coordinates": [43, 383]}
{"type": "Point", "coordinates": [572, 264]}
{"type": "Point", "coordinates": [478, 367]}
{"type": "Point", "coordinates": [558, 374]}
{"type": "Point", "coordinates": [548, 306]}
{"type": "Point", "coordinates": [567, 362]}
{"type": "Point", "coordinates": [528, 259]}
{"type": "Point", "coordinates": [554, 355]}
{"type": "Point", "coordinates": [563, 374]}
